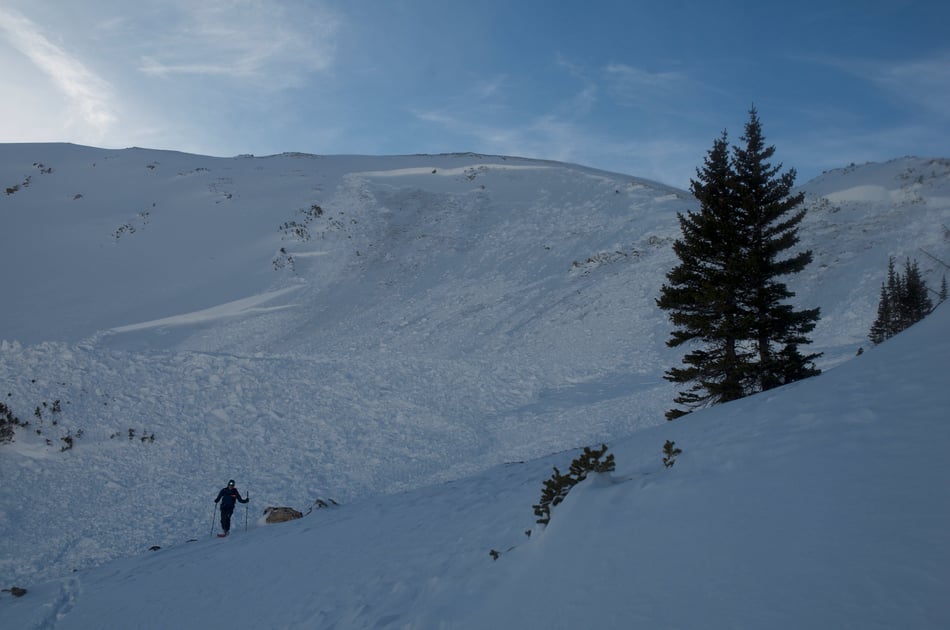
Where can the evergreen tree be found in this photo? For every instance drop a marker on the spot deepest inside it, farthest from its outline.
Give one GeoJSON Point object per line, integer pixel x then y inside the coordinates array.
{"type": "Point", "coordinates": [703, 295]}
{"type": "Point", "coordinates": [725, 292]}
{"type": "Point", "coordinates": [904, 301]}
{"type": "Point", "coordinates": [768, 211]}
{"type": "Point", "coordinates": [915, 300]}
{"type": "Point", "coordinates": [881, 328]}
{"type": "Point", "coordinates": [670, 452]}
{"type": "Point", "coordinates": [895, 289]}
{"type": "Point", "coordinates": [555, 489]}
{"type": "Point", "coordinates": [942, 296]}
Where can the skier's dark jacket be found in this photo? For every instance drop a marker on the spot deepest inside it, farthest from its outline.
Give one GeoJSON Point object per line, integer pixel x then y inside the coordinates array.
{"type": "Point", "coordinates": [228, 496]}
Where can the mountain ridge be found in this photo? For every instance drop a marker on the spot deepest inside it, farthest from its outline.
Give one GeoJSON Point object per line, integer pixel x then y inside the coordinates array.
{"type": "Point", "coordinates": [433, 324]}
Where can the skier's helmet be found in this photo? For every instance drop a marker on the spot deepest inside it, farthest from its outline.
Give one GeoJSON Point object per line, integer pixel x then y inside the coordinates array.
{"type": "Point", "coordinates": [231, 482]}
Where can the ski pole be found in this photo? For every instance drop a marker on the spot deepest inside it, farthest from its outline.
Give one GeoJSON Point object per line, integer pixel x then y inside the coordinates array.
{"type": "Point", "coordinates": [212, 520]}
{"type": "Point", "coordinates": [245, 507]}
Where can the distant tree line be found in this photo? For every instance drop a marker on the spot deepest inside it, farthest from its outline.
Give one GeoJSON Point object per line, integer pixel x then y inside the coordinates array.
{"type": "Point", "coordinates": [904, 301]}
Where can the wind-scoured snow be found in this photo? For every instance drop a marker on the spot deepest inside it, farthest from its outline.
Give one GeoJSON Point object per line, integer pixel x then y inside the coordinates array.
{"type": "Point", "coordinates": [421, 338]}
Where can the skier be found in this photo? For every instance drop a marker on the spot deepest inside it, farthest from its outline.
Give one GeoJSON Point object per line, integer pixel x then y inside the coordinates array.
{"type": "Point", "coordinates": [227, 497]}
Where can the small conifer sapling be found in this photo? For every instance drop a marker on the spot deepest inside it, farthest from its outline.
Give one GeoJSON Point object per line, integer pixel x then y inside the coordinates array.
{"type": "Point", "coordinates": [670, 453]}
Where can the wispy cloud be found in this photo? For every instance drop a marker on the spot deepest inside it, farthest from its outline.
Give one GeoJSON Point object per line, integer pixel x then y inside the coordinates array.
{"type": "Point", "coordinates": [924, 82]}
{"type": "Point", "coordinates": [569, 130]}
{"type": "Point", "coordinates": [638, 87]}
{"type": "Point", "coordinates": [488, 88]}
{"type": "Point", "coordinates": [553, 137]}
{"type": "Point", "coordinates": [245, 40]}
{"type": "Point", "coordinates": [619, 88]}
{"type": "Point", "coordinates": [523, 139]}
{"type": "Point", "coordinates": [89, 94]}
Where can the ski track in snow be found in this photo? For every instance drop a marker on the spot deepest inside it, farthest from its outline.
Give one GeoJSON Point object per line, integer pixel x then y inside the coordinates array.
{"type": "Point", "coordinates": [250, 305]}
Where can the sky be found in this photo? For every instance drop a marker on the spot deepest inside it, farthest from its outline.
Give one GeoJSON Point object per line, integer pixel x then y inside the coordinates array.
{"type": "Point", "coordinates": [631, 87]}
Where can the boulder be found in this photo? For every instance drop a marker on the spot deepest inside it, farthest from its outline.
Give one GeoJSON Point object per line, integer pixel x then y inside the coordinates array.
{"type": "Point", "coordinates": [281, 514]}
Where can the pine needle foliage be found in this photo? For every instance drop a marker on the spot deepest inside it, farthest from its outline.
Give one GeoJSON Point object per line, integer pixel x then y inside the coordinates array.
{"type": "Point", "coordinates": [669, 453]}
{"type": "Point", "coordinates": [556, 488]}
{"type": "Point", "coordinates": [8, 422]}
{"type": "Point", "coordinates": [904, 301]}
{"type": "Point", "coordinates": [725, 298]}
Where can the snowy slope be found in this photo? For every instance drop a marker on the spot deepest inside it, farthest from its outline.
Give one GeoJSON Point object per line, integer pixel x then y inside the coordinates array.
{"type": "Point", "coordinates": [447, 314]}
{"type": "Point", "coordinates": [860, 215]}
{"type": "Point", "coordinates": [819, 505]}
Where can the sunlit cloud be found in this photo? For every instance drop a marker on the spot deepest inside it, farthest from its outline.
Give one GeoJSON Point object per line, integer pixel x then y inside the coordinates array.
{"type": "Point", "coordinates": [89, 94]}
{"type": "Point", "coordinates": [245, 40]}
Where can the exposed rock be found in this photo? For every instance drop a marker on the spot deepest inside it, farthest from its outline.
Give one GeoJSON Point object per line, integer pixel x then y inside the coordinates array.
{"type": "Point", "coordinates": [281, 514]}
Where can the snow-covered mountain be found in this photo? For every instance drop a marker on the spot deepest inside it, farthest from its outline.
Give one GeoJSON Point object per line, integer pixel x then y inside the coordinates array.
{"type": "Point", "coordinates": [392, 332]}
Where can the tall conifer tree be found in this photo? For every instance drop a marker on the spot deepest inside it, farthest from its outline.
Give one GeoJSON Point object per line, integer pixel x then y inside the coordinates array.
{"type": "Point", "coordinates": [725, 293]}
{"type": "Point", "coordinates": [771, 214]}
{"type": "Point", "coordinates": [882, 328]}
{"type": "Point", "coordinates": [895, 292]}
{"type": "Point", "coordinates": [702, 295]}
{"type": "Point", "coordinates": [915, 298]}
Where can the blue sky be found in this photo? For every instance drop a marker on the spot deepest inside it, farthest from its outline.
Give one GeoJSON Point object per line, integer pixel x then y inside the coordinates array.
{"type": "Point", "coordinates": [627, 86]}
